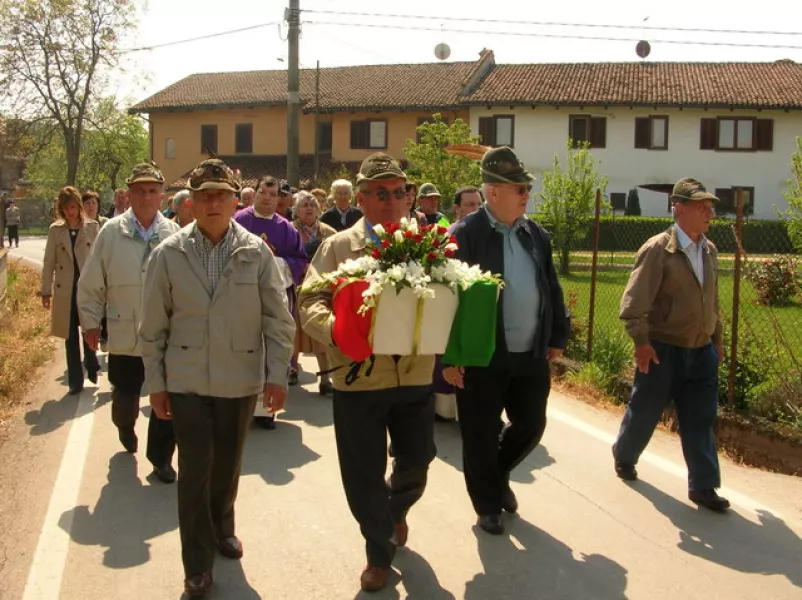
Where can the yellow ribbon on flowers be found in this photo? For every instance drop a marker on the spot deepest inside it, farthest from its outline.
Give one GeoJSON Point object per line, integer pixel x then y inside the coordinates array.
{"type": "Point", "coordinates": [418, 322]}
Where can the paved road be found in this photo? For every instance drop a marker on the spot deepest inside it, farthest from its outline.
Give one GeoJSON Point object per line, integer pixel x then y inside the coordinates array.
{"type": "Point", "coordinates": [31, 249]}
{"type": "Point", "coordinates": [81, 519]}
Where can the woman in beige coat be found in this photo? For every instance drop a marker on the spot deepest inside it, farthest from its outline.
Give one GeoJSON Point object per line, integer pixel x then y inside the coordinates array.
{"type": "Point", "coordinates": [68, 243]}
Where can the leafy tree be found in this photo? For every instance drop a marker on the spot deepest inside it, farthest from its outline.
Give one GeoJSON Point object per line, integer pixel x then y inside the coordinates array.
{"type": "Point", "coordinates": [431, 163]}
{"type": "Point", "coordinates": [56, 57]}
{"type": "Point", "coordinates": [633, 204]}
{"type": "Point", "coordinates": [111, 145]}
{"type": "Point", "coordinates": [568, 192]}
{"type": "Point", "coordinates": [793, 216]}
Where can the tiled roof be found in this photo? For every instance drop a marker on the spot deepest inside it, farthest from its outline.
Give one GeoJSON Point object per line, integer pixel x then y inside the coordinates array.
{"type": "Point", "coordinates": [418, 86]}
{"type": "Point", "coordinates": [731, 85]}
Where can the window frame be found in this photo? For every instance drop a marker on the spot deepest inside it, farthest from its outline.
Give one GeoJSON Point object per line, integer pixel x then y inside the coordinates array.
{"type": "Point", "coordinates": [366, 124]}
{"type": "Point", "coordinates": [169, 149]}
{"type": "Point", "coordinates": [649, 122]}
{"type": "Point", "coordinates": [237, 129]}
{"type": "Point", "coordinates": [205, 148]}
{"type": "Point", "coordinates": [596, 130]}
{"type": "Point", "coordinates": [494, 119]}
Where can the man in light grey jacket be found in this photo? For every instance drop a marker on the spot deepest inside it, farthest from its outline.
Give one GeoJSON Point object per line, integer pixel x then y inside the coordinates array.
{"type": "Point", "coordinates": [215, 332]}
{"type": "Point", "coordinates": [111, 285]}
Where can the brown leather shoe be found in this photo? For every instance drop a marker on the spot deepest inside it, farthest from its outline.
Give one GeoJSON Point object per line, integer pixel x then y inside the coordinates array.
{"type": "Point", "coordinates": [198, 585]}
{"type": "Point", "coordinates": [230, 547]}
{"type": "Point", "coordinates": [373, 578]}
{"type": "Point", "coordinates": [401, 534]}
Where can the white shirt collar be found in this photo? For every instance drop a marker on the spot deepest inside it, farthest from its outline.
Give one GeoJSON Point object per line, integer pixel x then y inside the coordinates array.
{"type": "Point", "coordinates": [258, 215]}
{"type": "Point", "coordinates": [686, 242]}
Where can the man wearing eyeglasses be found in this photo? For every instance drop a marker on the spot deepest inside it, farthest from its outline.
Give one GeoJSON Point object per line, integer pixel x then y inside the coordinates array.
{"type": "Point", "coordinates": [383, 394]}
{"type": "Point", "coordinates": [532, 328]}
{"type": "Point", "coordinates": [670, 308]}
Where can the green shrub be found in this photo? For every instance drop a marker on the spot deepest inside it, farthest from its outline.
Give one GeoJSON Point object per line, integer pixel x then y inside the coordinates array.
{"type": "Point", "coordinates": [774, 279]}
{"type": "Point", "coordinates": [778, 402]}
{"type": "Point", "coordinates": [612, 353]}
{"type": "Point", "coordinates": [752, 369]}
{"type": "Point", "coordinates": [577, 346]}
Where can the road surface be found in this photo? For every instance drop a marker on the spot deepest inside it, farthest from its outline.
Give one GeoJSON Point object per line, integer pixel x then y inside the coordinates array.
{"type": "Point", "coordinates": [81, 519]}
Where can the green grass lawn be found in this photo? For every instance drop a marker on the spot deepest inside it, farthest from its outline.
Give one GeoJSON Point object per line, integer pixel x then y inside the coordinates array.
{"type": "Point", "coordinates": [31, 231]}
{"type": "Point", "coordinates": [781, 344]}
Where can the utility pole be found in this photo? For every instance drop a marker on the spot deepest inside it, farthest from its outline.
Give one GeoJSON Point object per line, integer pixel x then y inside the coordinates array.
{"type": "Point", "coordinates": [317, 120]}
{"type": "Point", "coordinates": [293, 96]}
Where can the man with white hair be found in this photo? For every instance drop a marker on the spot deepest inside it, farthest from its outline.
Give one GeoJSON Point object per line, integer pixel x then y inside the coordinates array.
{"type": "Point", "coordinates": [342, 215]}
{"type": "Point", "coordinates": [246, 196]}
{"type": "Point", "coordinates": [182, 206]}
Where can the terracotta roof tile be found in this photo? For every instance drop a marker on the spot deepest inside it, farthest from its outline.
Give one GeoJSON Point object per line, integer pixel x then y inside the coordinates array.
{"type": "Point", "coordinates": [342, 88]}
{"type": "Point", "coordinates": [745, 85]}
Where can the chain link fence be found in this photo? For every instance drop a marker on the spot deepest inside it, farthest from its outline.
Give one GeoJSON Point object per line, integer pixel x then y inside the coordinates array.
{"type": "Point", "coordinates": [760, 292]}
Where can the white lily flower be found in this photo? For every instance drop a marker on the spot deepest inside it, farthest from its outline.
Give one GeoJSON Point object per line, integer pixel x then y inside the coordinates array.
{"type": "Point", "coordinates": [378, 230]}
{"type": "Point", "coordinates": [399, 236]}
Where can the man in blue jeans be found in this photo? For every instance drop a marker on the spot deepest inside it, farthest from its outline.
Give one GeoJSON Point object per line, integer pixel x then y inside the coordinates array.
{"type": "Point", "coordinates": [670, 309]}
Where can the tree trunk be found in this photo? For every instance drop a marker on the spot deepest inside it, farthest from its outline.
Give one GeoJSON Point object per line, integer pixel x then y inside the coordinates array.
{"type": "Point", "coordinates": [71, 150]}
{"type": "Point", "coordinates": [565, 261]}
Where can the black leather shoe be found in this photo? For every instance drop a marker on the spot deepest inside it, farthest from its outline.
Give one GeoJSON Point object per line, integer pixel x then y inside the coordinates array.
{"type": "Point", "coordinates": [75, 391]}
{"type": "Point", "coordinates": [710, 500]}
{"type": "Point", "coordinates": [626, 471]}
{"type": "Point", "coordinates": [129, 440]}
{"type": "Point", "coordinates": [266, 422]}
{"type": "Point", "coordinates": [198, 585]}
{"type": "Point", "coordinates": [292, 379]}
{"type": "Point", "coordinates": [165, 473]}
{"type": "Point", "coordinates": [491, 524]}
{"type": "Point", "coordinates": [509, 502]}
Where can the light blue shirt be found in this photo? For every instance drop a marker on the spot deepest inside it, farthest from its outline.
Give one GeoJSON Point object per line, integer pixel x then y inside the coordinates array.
{"type": "Point", "coordinates": [694, 252]}
{"type": "Point", "coordinates": [521, 298]}
{"type": "Point", "coordinates": [145, 234]}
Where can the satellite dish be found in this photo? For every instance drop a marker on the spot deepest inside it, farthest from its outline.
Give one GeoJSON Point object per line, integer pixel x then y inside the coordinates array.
{"type": "Point", "coordinates": [643, 48]}
{"type": "Point", "coordinates": [442, 51]}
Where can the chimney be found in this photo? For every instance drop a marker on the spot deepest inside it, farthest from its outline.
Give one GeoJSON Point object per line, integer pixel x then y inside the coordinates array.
{"type": "Point", "coordinates": [483, 67]}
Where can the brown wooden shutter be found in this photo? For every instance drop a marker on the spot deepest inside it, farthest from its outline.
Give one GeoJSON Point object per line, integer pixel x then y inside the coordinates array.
{"type": "Point", "coordinates": [360, 135]}
{"type": "Point", "coordinates": [598, 132]}
{"type": "Point", "coordinates": [708, 134]}
{"type": "Point", "coordinates": [726, 203]}
{"type": "Point", "coordinates": [487, 130]}
{"type": "Point", "coordinates": [764, 134]}
{"type": "Point", "coordinates": [642, 132]}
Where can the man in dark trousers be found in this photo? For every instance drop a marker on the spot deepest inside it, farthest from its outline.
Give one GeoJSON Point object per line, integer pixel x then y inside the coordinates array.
{"type": "Point", "coordinates": [670, 309]}
{"type": "Point", "coordinates": [532, 330]}
{"type": "Point", "coordinates": [215, 332]}
{"type": "Point", "coordinates": [384, 394]}
{"type": "Point", "coordinates": [111, 285]}
{"type": "Point", "coordinates": [342, 215]}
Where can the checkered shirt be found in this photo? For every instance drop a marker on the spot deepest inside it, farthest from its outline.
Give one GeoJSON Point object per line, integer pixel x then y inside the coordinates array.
{"type": "Point", "coordinates": [214, 258]}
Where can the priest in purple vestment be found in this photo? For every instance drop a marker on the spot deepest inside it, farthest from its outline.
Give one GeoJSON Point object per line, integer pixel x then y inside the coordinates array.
{"type": "Point", "coordinates": [284, 240]}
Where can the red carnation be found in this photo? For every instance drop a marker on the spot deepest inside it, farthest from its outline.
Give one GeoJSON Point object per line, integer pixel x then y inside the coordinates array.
{"type": "Point", "coordinates": [408, 234]}
{"type": "Point", "coordinates": [432, 256]}
{"type": "Point", "coordinates": [441, 230]}
{"type": "Point", "coordinates": [418, 238]}
{"type": "Point", "coordinates": [385, 243]}
{"type": "Point", "coordinates": [436, 243]}
{"type": "Point", "coordinates": [376, 253]}
{"type": "Point", "coordinates": [450, 253]}
{"type": "Point", "coordinates": [452, 239]}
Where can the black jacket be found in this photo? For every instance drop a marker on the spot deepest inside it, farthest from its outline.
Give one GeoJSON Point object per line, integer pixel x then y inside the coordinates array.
{"type": "Point", "coordinates": [480, 244]}
{"type": "Point", "coordinates": [332, 218]}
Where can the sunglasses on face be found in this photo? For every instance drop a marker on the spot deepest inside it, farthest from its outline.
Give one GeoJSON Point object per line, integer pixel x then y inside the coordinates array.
{"type": "Point", "coordinates": [383, 194]}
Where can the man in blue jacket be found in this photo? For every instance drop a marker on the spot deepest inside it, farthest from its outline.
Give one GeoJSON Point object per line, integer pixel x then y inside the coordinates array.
{"type": "Point", "coordinates": [532, 330]}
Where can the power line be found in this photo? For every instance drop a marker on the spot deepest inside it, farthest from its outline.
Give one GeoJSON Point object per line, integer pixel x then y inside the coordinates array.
{"type": "Point", "coordinates": [197, 39]}
{"type": "Point", "coordinates": [557, 35]}
{"type": "Point", "coordinates": [553, 23]}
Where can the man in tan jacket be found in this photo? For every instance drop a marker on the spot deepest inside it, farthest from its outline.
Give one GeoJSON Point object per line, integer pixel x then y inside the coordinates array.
{"type": "Point", "coordinates": [111, 285]}
{"type": "Point", "coordinates": [215, 332]}
{"type": "Point", "coordinates": [386, 393]}
{"type": "Point", "coordinates": [670, 309]}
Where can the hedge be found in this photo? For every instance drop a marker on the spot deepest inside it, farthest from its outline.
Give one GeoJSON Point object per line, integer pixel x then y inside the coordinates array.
{"type": "Point", "coordinates": [627, 234]}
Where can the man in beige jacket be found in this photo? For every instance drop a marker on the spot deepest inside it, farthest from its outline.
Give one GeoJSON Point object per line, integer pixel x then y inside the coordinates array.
{"type": "Point", "coordinates": [215, 332]}
{"type": "Point", "coordinates": [386, 393]}
{"type": "Point", "coordinates": [671, 310]}
{"type": "Point", "coordinates": [111, 285]}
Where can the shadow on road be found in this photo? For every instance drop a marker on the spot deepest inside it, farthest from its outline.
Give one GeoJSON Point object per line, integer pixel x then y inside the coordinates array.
{"type": "Point", "coordinates": [126, 516]}
{"type": "Point", "coordinates": [275, 454]}
{"type": "Point", "coordinates": [449, 450]}
{"type": "Point", "coordinates": [419, 579]}
{"type": "Point", "coordinates": [730, 540]}
{"type": "Point", "coordinates": [53, 414]}
{"type": "Point", "coordinates": [229, 583]}
{"type": "Point", "coordinates": [540, 566]}
{"type": "Point", "coordinates": [308, 406]}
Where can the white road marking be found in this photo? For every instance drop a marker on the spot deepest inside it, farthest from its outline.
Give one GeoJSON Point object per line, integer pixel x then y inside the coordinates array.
{"type": "Point", "coordinates": [47, 569]}
{"type": "Point", "coordinates": [657, 461]}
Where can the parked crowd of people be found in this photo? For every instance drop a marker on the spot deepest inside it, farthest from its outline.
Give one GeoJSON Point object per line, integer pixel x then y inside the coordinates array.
{"type": "Point", "coordinates": [210, 301]}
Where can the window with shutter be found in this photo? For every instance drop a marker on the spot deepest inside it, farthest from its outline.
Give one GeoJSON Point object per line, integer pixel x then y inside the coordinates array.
{"type": "Point", "coordinates": [243, 142]}
{"type": "Point", "coordinates": [764, 133]}
{"type": "Point", "coordinates": [642, 132]}
{"type": "Point", "coordinates": [487, 130]}
{"type": "Point", "coordinates": [324, 137]}
{"type": "Point", "coordinates": [377, 134]}
{"type": "Point", "coordinates": [359, 135]}
{"type": "Point", "coordinates": [708, 134]}
{"type": "Point", "coordinates": [579, 129]}
{"type": "Point", "coordinates": [208, 139]}
{"type": "Point", "coordinates": [598, 132]}
{"type": "Point", "coordinates": [726, 203]}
